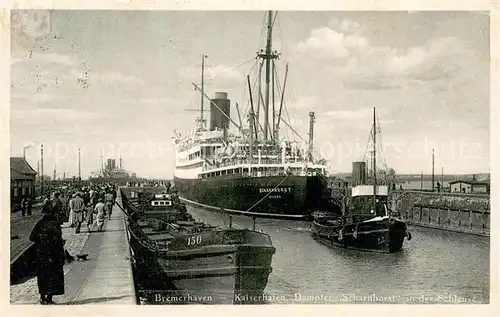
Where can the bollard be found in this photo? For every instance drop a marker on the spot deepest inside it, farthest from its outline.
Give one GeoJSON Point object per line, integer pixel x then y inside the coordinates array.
{"type": "Point", "coordinates": [482, 220]}
{"type": "Point", "coordinates": [448, 221]}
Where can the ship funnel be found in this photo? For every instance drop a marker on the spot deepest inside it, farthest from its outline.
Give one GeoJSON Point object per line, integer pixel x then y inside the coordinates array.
{"type": "Point", "coordinates": [217, 119]}
{"type": "Point", "coordinates": [359, 173]}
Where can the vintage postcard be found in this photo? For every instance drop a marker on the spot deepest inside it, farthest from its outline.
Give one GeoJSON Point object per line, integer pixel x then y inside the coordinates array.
{"type": "Point", "coordinates": [259, 154]}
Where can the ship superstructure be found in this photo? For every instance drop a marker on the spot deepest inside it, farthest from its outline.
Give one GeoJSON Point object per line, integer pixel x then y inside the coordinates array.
{"type": "Point", "coordinates": [250, 169]}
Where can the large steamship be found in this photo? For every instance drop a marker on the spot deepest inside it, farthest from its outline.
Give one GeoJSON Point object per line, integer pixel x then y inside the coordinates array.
{"type": "Point", "coordinates": [251, 169]}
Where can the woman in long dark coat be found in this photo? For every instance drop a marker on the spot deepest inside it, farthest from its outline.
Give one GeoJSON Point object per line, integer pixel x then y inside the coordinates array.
{"type": "Point", "coordinates": [47, 236]}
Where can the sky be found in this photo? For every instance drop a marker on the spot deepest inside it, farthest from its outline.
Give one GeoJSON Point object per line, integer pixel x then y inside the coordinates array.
{"type": "Point", "coordinates": [120, 83]}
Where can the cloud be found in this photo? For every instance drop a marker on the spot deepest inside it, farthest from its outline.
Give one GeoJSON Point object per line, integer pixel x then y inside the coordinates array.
{"type": "Point", "coordinates": [51, 117]}
{"type": "Point", "coordinates": [370, 83]}
{"type": "Point", "coordinates": [216, 72]}
{"type": "Point", "coordinates": [154, 104]}
{"type": "Point", "coordinates": [36, 98]}
{"type": "Point", "coordinates": [35, 72]}
{"type": "Point", "coordinates": [158, 100]}
{"type": "Point", "coordinates": [363, 66]}
{"type": "Point", "coordinates": [327, 43]}
{"type": "Point", "coordinates": [110, 78]}
{"type": "Point", "coordinates": [306, 102]}
{"type": "Point", "coordinates": [33, 57]}
{"type": "Point", "coordinates": [344, 114]}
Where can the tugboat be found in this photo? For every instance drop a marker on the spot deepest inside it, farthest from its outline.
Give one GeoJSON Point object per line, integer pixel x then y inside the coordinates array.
{"type": "Point", "coordinates": [200, 262]}
{"type": "Point", "coordinates": [366, 222]}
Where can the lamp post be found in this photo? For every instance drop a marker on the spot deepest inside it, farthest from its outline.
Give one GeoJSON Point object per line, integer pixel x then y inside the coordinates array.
{"type": "Point", "coordinates": [41, 169]}
{"type": "Point", "coordinates": [31, 188]}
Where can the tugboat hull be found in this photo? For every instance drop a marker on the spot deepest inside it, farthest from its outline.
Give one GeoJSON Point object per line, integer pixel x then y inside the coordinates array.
{"type": "Point", "coordinates": [385, 235]}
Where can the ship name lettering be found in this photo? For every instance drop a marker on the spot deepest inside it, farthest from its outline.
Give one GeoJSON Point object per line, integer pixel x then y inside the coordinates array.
{"type": "Point", "coordinates": [277, 190]}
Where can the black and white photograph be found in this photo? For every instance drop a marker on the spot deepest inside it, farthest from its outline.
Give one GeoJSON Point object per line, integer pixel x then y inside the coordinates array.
{"type": "Point", "coordinates": [250, 157]}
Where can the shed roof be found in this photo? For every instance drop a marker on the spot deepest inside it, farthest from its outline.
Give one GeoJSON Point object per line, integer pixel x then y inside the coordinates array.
{"type": "Point", "coordinates": [470, 182]}
{"type": "Point", "coordinates": [20, 168]}
{"type": "Point", "coordinates": [460, 181]}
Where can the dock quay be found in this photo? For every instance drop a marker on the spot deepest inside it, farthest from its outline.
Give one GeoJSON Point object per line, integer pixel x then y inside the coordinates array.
{"type": "Point", "coordinates": [105, 278]}
{"type": "Point", "coordinates": [20, 228]}
{"type": "Point", "coordinates": [458, 212]}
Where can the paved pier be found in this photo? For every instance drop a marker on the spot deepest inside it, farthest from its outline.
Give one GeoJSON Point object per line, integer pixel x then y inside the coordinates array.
{"type": "Point", "coordinates": [20, 229]}
{"type": "Point", "coordinates": [105, 278]}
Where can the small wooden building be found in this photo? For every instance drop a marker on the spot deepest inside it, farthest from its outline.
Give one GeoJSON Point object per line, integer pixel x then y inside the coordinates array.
{"type": "Point", "coordinates": [461, 186]}
{"type": "Point", "coordinates": [481, 187]}
{"type": "Point", "coordinates": [22, 179]}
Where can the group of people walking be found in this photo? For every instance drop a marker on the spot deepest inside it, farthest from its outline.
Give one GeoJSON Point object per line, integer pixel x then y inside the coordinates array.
{"type": "Point", "coordinates": [92, 204]}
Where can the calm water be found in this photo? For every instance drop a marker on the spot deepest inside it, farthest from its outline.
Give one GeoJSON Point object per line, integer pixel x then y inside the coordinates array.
{"type": "Point", "coordinates": [434, 267]}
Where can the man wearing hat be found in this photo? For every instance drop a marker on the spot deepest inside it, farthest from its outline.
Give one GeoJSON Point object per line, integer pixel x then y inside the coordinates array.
{"type": "Point", "coordinates": [78, 207]}
{"type": "Point", "coordinates": [57, 206]}
{"type": "Point", "coordinates": [71, 219]}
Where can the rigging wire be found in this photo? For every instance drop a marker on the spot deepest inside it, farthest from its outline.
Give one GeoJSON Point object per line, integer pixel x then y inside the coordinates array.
{"type": "Point", "coordinates": [290, 114]}
{"type": "Point", "coordinates": [274, 20]}
{"type": "Point", "coordinates": [382, 150]}
{"type": "Point", "coordinates": [226, 71]}
{"type": "Point", "coordinates": [246, 105]}
{"type": "Point", "coordinates": [280, 91]}
{"type": "Point", "coordinates": [270, 192]}
{"type": "Point", "coordinates": [368, 142]}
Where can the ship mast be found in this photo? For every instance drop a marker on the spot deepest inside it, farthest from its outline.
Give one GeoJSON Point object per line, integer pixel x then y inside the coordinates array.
{"type": "Point", "coordinates": [312, 119]}
{"type": "Point", "coordinates": [374, 161]}
{"type": "Point", "coordinates": [268, 69]}
{"type": "Point", "coordinates": [268, 55]}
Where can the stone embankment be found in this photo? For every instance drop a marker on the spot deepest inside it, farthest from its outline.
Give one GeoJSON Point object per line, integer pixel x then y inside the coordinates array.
{"type": "Point", "coordinates": [468, 213]}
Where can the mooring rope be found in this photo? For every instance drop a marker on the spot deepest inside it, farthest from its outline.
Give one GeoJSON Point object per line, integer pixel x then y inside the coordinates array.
{"type": "Point", "coordinates": [272, 190]}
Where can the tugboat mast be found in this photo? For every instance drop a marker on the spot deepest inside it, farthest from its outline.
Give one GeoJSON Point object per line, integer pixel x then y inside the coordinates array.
{"type": "Point", "coordinates": [374, 161]}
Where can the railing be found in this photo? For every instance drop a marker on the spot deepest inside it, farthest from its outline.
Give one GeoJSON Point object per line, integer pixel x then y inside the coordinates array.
{"type": "Point", "coordinates": [263, 161]}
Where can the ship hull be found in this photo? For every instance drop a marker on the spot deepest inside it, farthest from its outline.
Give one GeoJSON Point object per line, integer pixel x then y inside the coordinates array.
{"type": "Point", "coordinates": [386, 236]}
{"type": "Point", "coordinates": [295, 197]}
{"type": "Point", "coordinates": [223, 275]}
